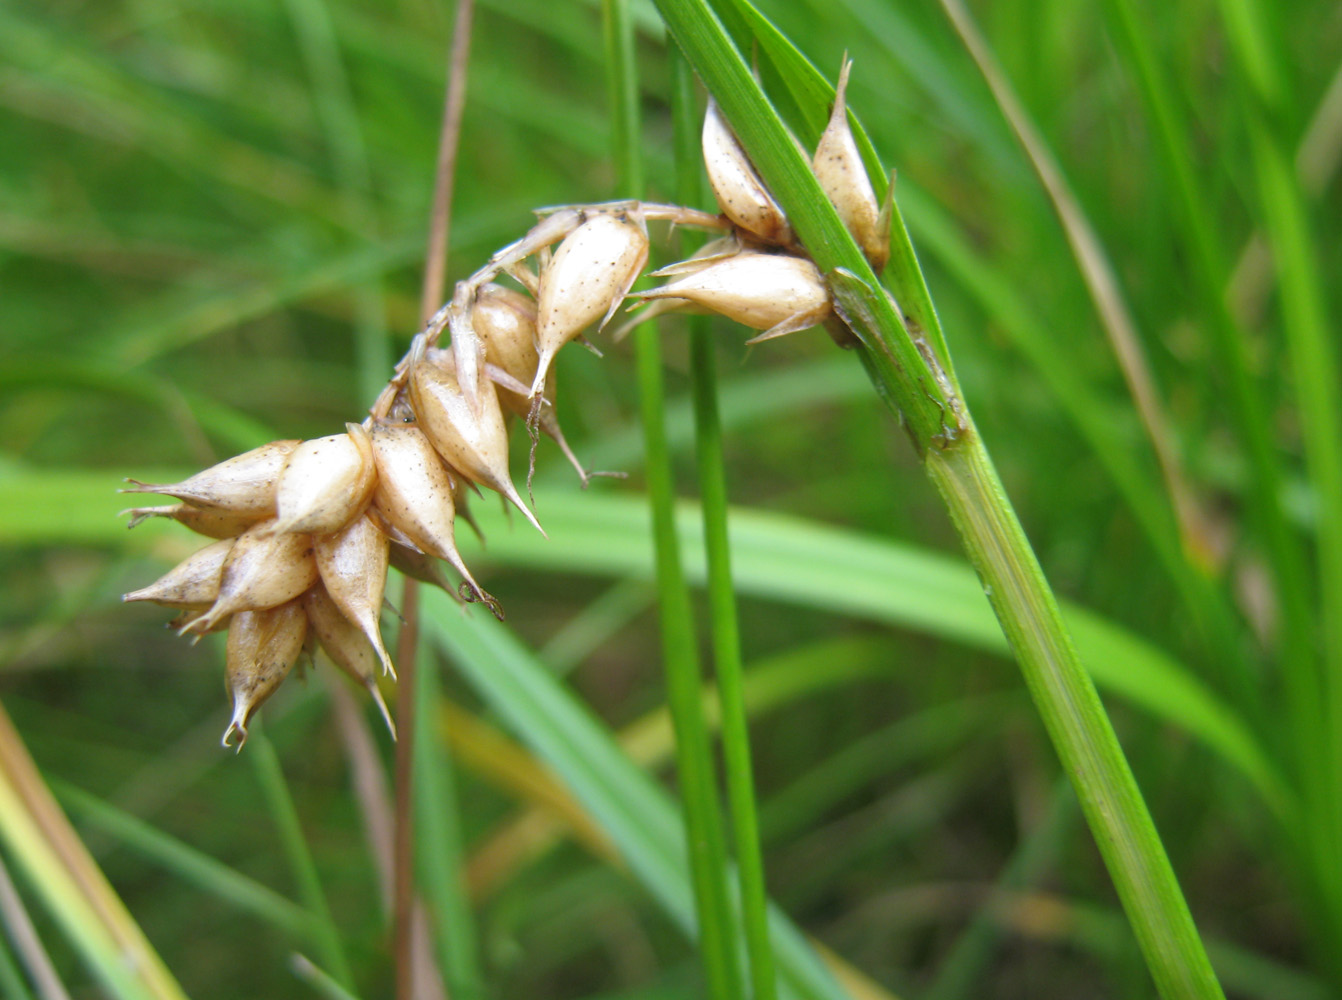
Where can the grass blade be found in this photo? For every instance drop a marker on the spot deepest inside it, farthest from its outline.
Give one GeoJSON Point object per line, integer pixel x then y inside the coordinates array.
{"type": "Point", "coordinates": [24, 937]}
{"type": "Point", "coordinates": [626, 803]}
{"type": "Point", "coordinates": [284, 813]}
{"type": "Point", "coordinates": [340, 123]}
{"type": "Point", "coordinates": [1247, 406]}
{"type": "Point", "coordinates": [1314, 360]}
{"type": "Point", "coordinates": [438, 847]}
{"type": "Point", "coordinates": [1105, 292]}
{"type": "Point", "coordinates": [187, 863]}
{"type": "Point", "coordinates": [725, 630]}
{"type": "Point", "coordinates": [694, 762]}
{"type": "Point", "coordinates": [70, 884]}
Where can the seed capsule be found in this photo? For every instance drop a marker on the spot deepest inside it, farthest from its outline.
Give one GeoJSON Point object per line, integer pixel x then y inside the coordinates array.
{"type": "Point", "coordinates": [212, 523]}
{"type": "Point", "coordinates": [263, 570]}
{"type": "Point", "coordinates": [506, 321]}
{"type": "Point", "coordinates": [244, 484]}
{"type": "Point", "coordinates": [588, 276]}
{"type": "Point", "coordinates": [839, 169]}
{"type": "Point", "coordinates": [326, 483]}
{"type": "Point", "coordinates": [775, 293]}
{"type": "Point", "coordinates": [353, 566]}
{"type": "Point", "coordinates": [711, 252]}
{"type": "Point", "coordinates": [512, 381]}
{"type": "Point", "coordinates": [740, 192]}
{"type": "Point", "coordinates": [192, 584]}
{"type": "Point", "coordinates": [474, 443]}
{"type": "Point", "coordinates": [414, 495]}
{"type": "Point", "coordinates": [262, 648]}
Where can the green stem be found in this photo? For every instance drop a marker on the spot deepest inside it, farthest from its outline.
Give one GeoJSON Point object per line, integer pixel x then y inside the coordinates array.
{"type": "Point", "coordinates": [906, 372]}
{"type": "Point", "coordinates": [325, 936]}
{"type": "Point", "coordinates": [694, 760]}
{"type": "Point", "coordinates": [1074, 717]}
{"type": "Point", "coordinates": [726, 633]}
{"type": "Point", "coordinates": [1314, 361]}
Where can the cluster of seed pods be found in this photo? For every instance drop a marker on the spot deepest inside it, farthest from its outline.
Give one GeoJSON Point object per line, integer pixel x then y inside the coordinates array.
{"type": "Point", "coordinates": [305, 530]}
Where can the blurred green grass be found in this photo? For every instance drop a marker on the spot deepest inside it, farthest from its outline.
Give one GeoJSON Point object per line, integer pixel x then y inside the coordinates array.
{"type": "Point", "coordinates": [184, 272]}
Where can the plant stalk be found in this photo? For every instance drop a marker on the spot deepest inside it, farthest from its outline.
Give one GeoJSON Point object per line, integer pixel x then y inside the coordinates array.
{"type": "Point", "coordinates": [694, 761]}
{"type": "Point", "coordinates": [1074, 717]}
{"type": "Point", "coordinates": [726, 633]}
{"type": "Point", "coordinates": [909, 374]}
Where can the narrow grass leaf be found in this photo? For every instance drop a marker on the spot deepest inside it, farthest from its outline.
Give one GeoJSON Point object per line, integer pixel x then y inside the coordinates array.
{"type": "Point", "coordinates": [774, 556]}
{"type": "Point", "coordinates": [187, 863]}
{"type": "Point", "coordinates": [70, 884]}
{"type": "Point", "coordinates": [695, 766]}
{"type": "Point", "coordinates": [439, 848]}
{"type": "Point", "coordinates": [284, 814]}
{"type": "Point", "coordinates": [637, 815]}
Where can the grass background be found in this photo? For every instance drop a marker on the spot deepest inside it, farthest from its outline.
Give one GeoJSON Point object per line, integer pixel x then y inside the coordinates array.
{"type": "Point", "coordinates": [211, 223]}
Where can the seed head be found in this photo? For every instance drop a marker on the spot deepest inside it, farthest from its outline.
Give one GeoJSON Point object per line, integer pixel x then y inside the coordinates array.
{"type": "Point", "coordinates": [244, 484]}
{"type": "Point", "coordinates": [263, 570]}
{"type": "Point", "coordinates": [212, 523]}
{"type": "Point", "coordinates": [346, 645]}
{"type": "Point", "coordinates": [505, 321]}
{"type": "Point", "coordinates": [476, 444]}
{"type": "Point", "coordinates": [414, 495]}
{"type": "Point", "coordinates": [415, 564]}
{"type": "Point", "coordinates": [262, 648]}
{"type": "Point", "coordinates": [512, 366]}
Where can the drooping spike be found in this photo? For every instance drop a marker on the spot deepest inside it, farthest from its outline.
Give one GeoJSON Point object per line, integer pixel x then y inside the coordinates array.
{"type": "Point", "coordinates": [838, 167]}
{"type": "Point", "coordinates": [193, 584]}
{"type": "Point", "coordinates": [506, 323]}
{"type": "Point", "coordinates": [210, 522]}
{"type": "Point", "coordinates": [476, 444]}
{"type": "Point", "coordinates": [740, 192]}
{"type": "Point", "coordinates": [346, 645]}
{"type": "Point", "coordinates": [586, 279]}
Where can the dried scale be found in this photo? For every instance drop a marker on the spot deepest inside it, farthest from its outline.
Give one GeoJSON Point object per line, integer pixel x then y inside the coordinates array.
{"type": "Point", "coordinates": [304, 531]}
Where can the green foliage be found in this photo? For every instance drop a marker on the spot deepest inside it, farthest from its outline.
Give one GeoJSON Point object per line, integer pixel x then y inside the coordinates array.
{"type": "Point", "coordinates": [211, 215]}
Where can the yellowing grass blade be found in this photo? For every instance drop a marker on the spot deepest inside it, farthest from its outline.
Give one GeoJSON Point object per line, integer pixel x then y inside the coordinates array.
{"type": "Point", "coordinates": [70, 883]}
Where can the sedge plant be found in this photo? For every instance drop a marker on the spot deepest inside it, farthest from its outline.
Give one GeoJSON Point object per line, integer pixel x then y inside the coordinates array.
{"type": "Point", "coordinates": [309, 525]}
{"type": "Point", "coordinates": [303, 531]}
